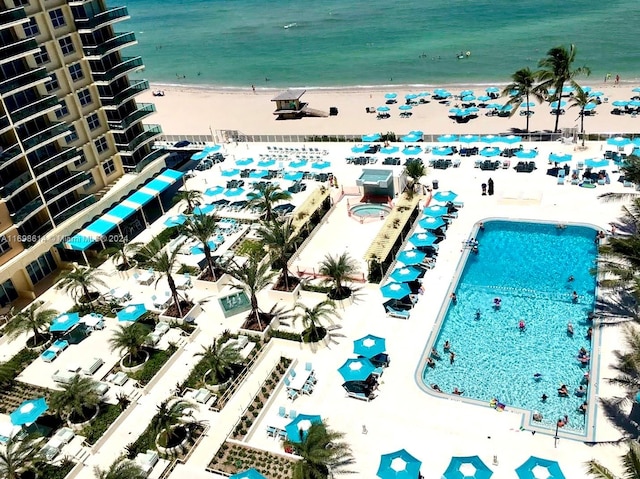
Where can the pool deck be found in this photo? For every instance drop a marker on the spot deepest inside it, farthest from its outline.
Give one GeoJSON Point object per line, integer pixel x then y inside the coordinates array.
{"type": "Point", "coordinates": [402, 415]}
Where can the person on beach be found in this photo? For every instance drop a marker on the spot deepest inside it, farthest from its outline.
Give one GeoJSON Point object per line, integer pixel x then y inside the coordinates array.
{"type": "Point", "coordinates": [253, 87]}
{"type": "Point", "coordinates": [617, 79]}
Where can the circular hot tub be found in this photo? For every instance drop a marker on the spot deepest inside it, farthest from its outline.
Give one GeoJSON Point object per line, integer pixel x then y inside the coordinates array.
{"type": "Point", "coordinates": [370, 210]}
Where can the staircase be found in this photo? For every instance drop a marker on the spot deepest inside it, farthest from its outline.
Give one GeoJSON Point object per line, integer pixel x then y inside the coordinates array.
{"type": "Point", "coordinates": [313, 112]}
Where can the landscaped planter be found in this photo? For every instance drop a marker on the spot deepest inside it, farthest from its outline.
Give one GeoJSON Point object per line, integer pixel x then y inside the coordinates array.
{"type": "Point", "coordinates": [288, 297]}
{"type": "Point", "coordinates": [215, 387]}
{"type": "Point", "coordinates": [214, 287]}
{"type": "Point", "coordinates": [175, 449]}
{"type": "Point", "coordinates": [274, 324]}
{"type": "Point", "coordinates": [189, 317]}
{"type": "Point", "coordinates": [138, 367]}
{"type": "Point", "coordinates": [77, 426]}
{"type": "Point", "coordinates": [41, 347]}
{"type": "Point", "coordinates": [344, 303]}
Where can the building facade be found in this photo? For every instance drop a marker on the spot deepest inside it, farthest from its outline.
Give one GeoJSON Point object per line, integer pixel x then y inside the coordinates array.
{"type": "Point", "coordinates": [69, 128]}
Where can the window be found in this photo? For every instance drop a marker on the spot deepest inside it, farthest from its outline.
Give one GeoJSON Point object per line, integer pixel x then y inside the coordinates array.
{"type": "Point", "coordinates": [31, 29]}
{"type": "Point", "coordinates": [93, 121]}
{"type": "Point", "coordinates": [63, 110]}
{"type": "Point", "coordinates": [72, 136]}
{"type": "Point", "coordinates": [7, 291]}
{"type": "Point", "coordinates": [91, 184]}
{"type": "Point", "coordinates": [41, 267]}
{"type": "Point", "coordinates": [42, 56]}
{"type": "Point", "coordinates": [53, 84]}
{"type": "Point", "coordinates": [4, 245]}
{"type": "Point", "coordinates": [21, 3]}
{"type": "Point", "coordinates": [108, 167]}
{"type": "Point", "coordinates": [66, 45]}
{"type": "Point", "coordinates": [84, 96]}
{"type": "Point", "coordinates": [78, 163]}
{"type": "Point", "coordinates": [57, 18]}
{"type": "Point", "coordinates": [76, 72]}
{"type": "Point", "coordinates": [101, 145]}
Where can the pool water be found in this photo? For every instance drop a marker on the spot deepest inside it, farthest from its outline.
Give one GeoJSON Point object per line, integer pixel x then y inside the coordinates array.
{"type": "Point", "coordinates": [234, 304]}
{"type": "Point", "coordinates": [370, 210]}
{"type": "Point", "coordinates": [528, 266]}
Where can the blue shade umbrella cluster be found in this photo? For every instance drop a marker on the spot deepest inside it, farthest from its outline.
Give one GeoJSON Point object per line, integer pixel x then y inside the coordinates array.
{"type": "Point", "coordinates": [411, 257]}
{"type": "Point", "coordinates": [231, 172]}
{"type": "Point", "coordinates": [175, 220]}
{"type": "Point", "coordinates": [371, 137]}
{"type": "Point", "coordinates": [435, 210]}
{"type": "Point", "coordinates": [539, 468]}
{"type": "Point", "coordinates": [442, 151]}
{"type": "Point", "coordinates": [423, 239]}
{"type": "Point", "coordinates": [431, 222]}
{"type": "Point", "coordinates": [388, 150]}
{"type": "Point", "coordinates": [248, 474]}
{"type": "Point", "coordinates": [398, 465]}
{"type": "Point", "coordinates": [356, 369]}
{"type": "Point", "coordinates": [298, 429]}
{"type": "Point", "coordinates": [490, 151]}
{"type": "Point", "coordinates": [412, 150]}
{"type": "Point", "coordinates": [359, 148]}
{"type": "Point", "coordinates": [526, 154]}
{"type": "Point", "coordinates": [470, 467]}
{"type": "Point", "coordinates": [447, 138]}
{"type": "Point", "coordinates": [64, 322]}
{"type": "Point", "coordinates": [133, 312]}
{"type": "Point", "coordinates": [321, 165]}
{"type": "Point", "coordinates": [619, 141]}
{"type": "Point", "coordinates": [29, 411]}
{"type": "Point", "coordinates": [405, 274]}
{"type": "Point", "coordinates": [469, 139]}
{"type": "Point", "coordinates": [369, 346]}
{"type": "Point", "coordinates": [593, 163]}
{"type": "Point", "coordinates": [266, 163]}
{"type": "Point", "coordinates": [213, 191]}
{"type": "Point", "coordinates": [445, 196]}
{"type": "Point", "coordinates": [244, 161]}
{"type": "Point", "coordinates": [203, 209]}
{"type": "Point", "coordinates": [560, 157]}
{"type": "Point", "coordinates": [395, 290]}
{"type": "Point", "coordinates": [293, 175]}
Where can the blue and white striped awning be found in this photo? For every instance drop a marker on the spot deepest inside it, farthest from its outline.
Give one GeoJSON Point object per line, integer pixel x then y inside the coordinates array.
{"type": "Point", "coordinates": [97, 229]}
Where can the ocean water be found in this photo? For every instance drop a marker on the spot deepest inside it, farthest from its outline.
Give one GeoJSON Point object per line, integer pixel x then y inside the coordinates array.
{"type": "Point", "coordinates": [241, 43]}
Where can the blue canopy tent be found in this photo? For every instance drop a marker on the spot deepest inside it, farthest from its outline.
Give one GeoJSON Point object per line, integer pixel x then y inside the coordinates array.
{"type": "Point", "coordinates": [64, 322]}
{"type": "Point", "coordinates": [369, 346]}
{"type": "Point", "coordinates": [133, 312]}
{"type": "Point", "coordinates": [29, 411]}
{"type": "Point", "coordinates": [470, 467]}
{"type": "Point", "coordinates": [297, 429]}
{"type": "Point", "coordinates": [398, 465]}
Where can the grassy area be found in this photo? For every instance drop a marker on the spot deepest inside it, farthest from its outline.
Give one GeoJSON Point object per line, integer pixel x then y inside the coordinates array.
{"type": "Point", "coordinates": [94, 431]}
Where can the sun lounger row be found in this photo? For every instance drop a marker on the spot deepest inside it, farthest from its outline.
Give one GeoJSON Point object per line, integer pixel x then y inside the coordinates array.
{"type": "Point", "coordinates": [53, 351]}
{"type": "Point", "coordinates": [525, 166]}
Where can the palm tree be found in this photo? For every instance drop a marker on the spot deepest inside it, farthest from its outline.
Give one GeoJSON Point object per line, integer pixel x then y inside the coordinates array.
{"type": "Point", "coordinates": [630, 464]}
{"type": "Point", "coordinates": [32, 319]}
{"type": "Point", "coordinates": [123, 468]}
{"type": "Point", "coordinates": [79, 281]}
{"type": "Point", "coordinates": [192, 197]}
{"type": "Point", "coordinates": [580, 99]}
{"type": "Point", "coordinates": [523, 82]}
{"type": "Point", "coordinates": [556, 70]}
{"type": "Point", "coordinates": [323, 454]}
{"type": "Point", "coordinates": [313, 317]}
{"type": "Point", "coordinates": [338, 270]}
{"type": "Point", "coordinates": [18, 456]}
{"type": "Point", "coordinates": [122, 252]}
{"type": "Point", "coordinates": [414, 171]}
{"type": "Point", "coordinates": [280, 240]}
{"type": "Point", "coordinates": [202, 228]}
{"type": "Point", "coordinates": [265, 197]}
{"type": "Point", "coordinates": [129, 339]}
{"type": "Point", "coordinates": [164, 262]}
{"type": "Point", "coordinates": [170, 413]}
{"type": "Point", "coordinates": [78, 398]}
{"type": "Point", "coordinates": [630, 169]}
{"type": "Point", "coordinates": [7, 374]}
{"type": "Point", "coordinates": [220, 359]}
{"type": "Point", "coordinates": [252, 277]}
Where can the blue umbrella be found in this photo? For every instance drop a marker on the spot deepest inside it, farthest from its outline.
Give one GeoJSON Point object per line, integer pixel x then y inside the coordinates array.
{"type": "Point", "coordinates": [554, 104]}
{"type": "Point", "coordinates": [359, 148]}
{"type": "Point", "coordinates": [538, 468]}
{"type": "Point", "coordinates": [411, 256]}
{"type": "Point", "coordinates": [620, 103]}
{"type": "Point", "coordinates": [417, 133]}
{"type": "Point", "coordinates": [484, 98]}
{"type": "Point", "coordinates": [442, 150]}
{"type": "Point", "coordinates": [256, 174]}
{"type": "Point", "coordinates": [493, 106]}
{"type": "Point", "coordinates": [634, 103]}
{"type": "Point", "coordinates": [636, 89]}
{"type": "Point", "coordinates": [530, 104]}
{"type": "Point", "coordinates": [213, 191]}
{"type": "Point", "coordinates": [618, 141]}
{"type": "Point", "coordinates": [490, 151]}
{"type": "Point", "coordinates": [447, 138]}
{"type": "Point", "coordinates": [506, 107]}
{"type": "Point", "coordinates": [29, 411]}
{"type": "Point", "coordinates": [231, 172]}
{"type": "Point", "coordinates": [175, 220]}
{"type": "Point", "coordinates": [469, 139]}
{"type": "Point", "coordinates": [593, 163]}
{"type": "Point", "coordinates": [244, 161]}
{"type": "Point", "coordinates": [231, 192]}
{"type": "Point", "coordinates": [464, 93]}
{"type": "Point", "coordinates": [431, 222]}
{"type": "Point", "coordinates": [297, 429]}
{"type": "Point", "coordinates": [198, 249]}
{"type": "Point", "coordinates": [203, 209]}
{"type": "Point", "coordinates": [596, 93]}
{"type": "Point", "coordinates": [405, 274]}
{"type": "Point", "coordinates": [133, 312]}
{"type": "Point", "coordinates": [266, 163]}
{"type": "Point", "coordinates": [321, 165]}
{"type": "Point", "coordinates": [560, 157]}
{"type": "Point", "coordinates": [398, 465]}
{"type": "Point", "coordinates": [390, 96]}
{"type": "Point", "coordinates": [467, 468]}
{"type": "Point", "coordinates": [590, 106]}
{"type": "Point", "coordinates": [568, 89]}
{"type": "Point", "coordinates": [435, 210]}
{"type": "Point", "coordinates": [293, 175]}
{"type": "Point", "coordinates": [388, 150]}
{"type": "Point", "coordinates": [64, 322]}
{"type": "Point", "coordinates": [492, 89]}
{"type": "Point", "coordinates": [445, 196]}
{"type": "Point", "coordinates": [371, 137]}
{"type": "Point", "coordinates": [410, 96]}
{"type": "Point", "coordinates": [424, 93]}
{"type": "Point", "coordinates": [526, 154]}
{"type": "Point", "coordinates": [442, 93]}
{"type": "Point", "coordinates": [468, 98]}
{"type": "Point", "coordinates": [636, 141]}
{"type": "Point", "coordinates": [405, 107]}
{"type": "Point", "coordinates": [511, 139]}
{"type": "Point", "coordinates": [411, 138]}
{"type": "Point", "coordinates": [298, 163]}
{"type": "Point", "coordinates": [199, 155]}
{"type": "Point", "coordinates": [490, 139]}
{"type": "Point", "coordinates": [412, 150]}
{"type": "Point", "coordinates": [369, 346]}
{"type": "Point", "coordinates": [422, 239]}
{"type": "Point", "coordinates": [248, 474]}
{"type": "Point", "coordinates": [383, 108]}
{"type": "Point", "coordinates": [356, 369]}
{"type": "Point", "coordinates": [395, 290]}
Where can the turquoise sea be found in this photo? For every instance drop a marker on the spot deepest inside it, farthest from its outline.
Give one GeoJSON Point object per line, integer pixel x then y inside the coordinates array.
{"type": "Point", "coordinates": [333, 43]}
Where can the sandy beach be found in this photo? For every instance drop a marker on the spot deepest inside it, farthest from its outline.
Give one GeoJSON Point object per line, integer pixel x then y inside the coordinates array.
{"type": "Point", "coordinates": [201, 111]}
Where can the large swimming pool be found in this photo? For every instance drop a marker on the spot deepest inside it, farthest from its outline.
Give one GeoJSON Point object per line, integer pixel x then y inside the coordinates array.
{"type": "Point", "coordinates": [529, 267]}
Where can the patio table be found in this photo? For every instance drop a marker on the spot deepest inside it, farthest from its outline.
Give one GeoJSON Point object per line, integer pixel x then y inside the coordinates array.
{"type": "Point", "coordinates": [296, 383]}
{"type": "Point", "coordinates": [278, 422]}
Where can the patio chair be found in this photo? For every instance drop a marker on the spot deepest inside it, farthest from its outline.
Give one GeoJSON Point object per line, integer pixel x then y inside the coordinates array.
{"type": "Point", "coordinates": [292, 394]}
{"type": "Point", "coordinates": [397, 313]}
{"type": "Point", "coordinates": [272, 431]}
{"type": "Point", "coordinates": [293, 414]}
{"type": "Point", "coordinates": [307, 388]}
{"type": "Point", "coordinates": [282, 435]}
{"type": "Point", "coordinates": [49, 355]}
{"type": "Point", "coordinates": [293, 373]}
{"type": "Point", "coordinates": [308, 367]}
{"type": "Point", "coordinates": [282, 411]}
{"type": "Point", "coordinates": [287, 382]}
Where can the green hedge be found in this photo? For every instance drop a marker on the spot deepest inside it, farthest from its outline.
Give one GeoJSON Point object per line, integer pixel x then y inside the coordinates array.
{"type": "Point", "coordinates": [20, 361]}
{"type": "Point", "coordinates": [275, 333]}
{"type": "Point", "coordinates": [50, 471]}
{"type": "Point", "coordinates": [94, 431]}
{"type": "Point", "coordinates": [146, 441]}
{"type": "Point", "coordinates": [157, 359]}
{"type": "Point", "coordinates": [316, 288]}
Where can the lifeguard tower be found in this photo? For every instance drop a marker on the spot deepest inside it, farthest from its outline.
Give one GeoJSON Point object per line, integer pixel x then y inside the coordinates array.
{"type": "Point", "coordinates": [289, 106]}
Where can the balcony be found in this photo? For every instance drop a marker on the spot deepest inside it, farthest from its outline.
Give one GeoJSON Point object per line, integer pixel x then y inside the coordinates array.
{"type": "Point", "coordinates": [127, 65]}
{"type": "Point", "coordinates": [67, 186]}
{"type": "Point", "coordinates": [52, 133]}
{"type": "Point", "coordinates": [143, 111]}
{"type": "Point", "coordinates": [10, 154]}
{"type": "Point", "coordinates": [13, 18]}
{"type": "Point", "coordinates": [37, 108]}
{"type": "Point", "coordinates": [16, 184]}
{"type": "Point", "coordinates": [18, 49]}
{"type": "Point", "coordinates": [5, 124]}
{"type": "Point", "coordinates": [74, 209]}
{"type": "Point", "coordinates": [110, 101]}
{"type": "Point", "coordinates": [109, 17]}
{"type": "Point", "coordinates": [121, 40]}
{"type": "Point", "coordinates": [24, 81]}
{"type": "Point", "coordinates": [150, 158]}
{"type": "Point", "coordinates": [27, 211]}
{"type": "Point", "coordinates": [66, 156]}
{"type": "Point", "coordinates": [150, 132]}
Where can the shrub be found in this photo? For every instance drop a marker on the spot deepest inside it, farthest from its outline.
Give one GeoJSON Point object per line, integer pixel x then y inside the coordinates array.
{"type": "Point", "coordinates": [94, 431]}
{"type": "Point", "coordinates": [285, 335]}
{"type": "Point", "coordinates": [157, 359]}
{"type": "Point", "coordinates": [315, 288]}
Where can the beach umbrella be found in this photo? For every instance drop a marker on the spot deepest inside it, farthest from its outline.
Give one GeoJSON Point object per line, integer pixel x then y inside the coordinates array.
{"type": "Point", "coordinates": [417, 133]}
{"type": "Point", "coordinates": [321, 165]}
{"type": "Point", "coordinates": [538, 468]}
{"type": "Point", "coordinates": [369, 346]}
{"type": "Point", "coordinates": [203, 209]}
{"type": "Point", "coordinates": [256, 174]}
{"type": "Point", "coordinates": [435, 210]}
{"type": "Point", "coordinates": [620, 103]}
{"type": "Point", "coordinates": [442, 151]}
{"type": "Point", "coordinates": [220, 202]}
{"type": "Point", "coordinates": [298, 163]}
{"type": "Point", "coordinates": [405, 274]}
{"type": "Point", "coordinates": [64, 322]}
{"type": "Point", "coordinates": [424, 93]}
{"type": "Point", "coordinates": [636, 141]}
{"type": "Point", "coordinates": [412, 150]}
{"type": "Point", "coordinates": [356, 369]}
{"type": "Point", "coordinates": [506, 107]}
{"type": "Point", "coordinates": [383, 108]}
{"type": "Point", "coordinates": [469, 139]}
{"type": "Point", "coordinates": [445, 196]}
{"type": "Point", "coordinates": [28, 412]}
{"type": "Point", "coordinates": [390, 96]}
{"type": "Point", "coordinates": [422, 239]}
{"type": "Point", "coordinates": [470, 467]}
{"type": "Point", "coordinates": [284, 208]}
{"type": "Point", "coordinates": [410, 96]}
{"type": "Point", "coordinates": [468, 98]}
{"type": "Point", "coordinates": [618, 141]}
{"type": "Point", "coordinates": [293, 175]}
{"type": "Point", "coordinates": [410, 138]}
{"type": "Point", "coordinates": [636, 89]}
{"type": "Point", "coordinates": [244, 161]}
{"type": "Point", "coordinates": [388, 150]}
{"type": "Point", "coordinates": [511, 139]}
{"type": "Point", "coordinates": [490, 139]}
{"type": "Point", "coordinates": [411, 257]}
{"type": "Point", "coordinates": [591, 106]}
{"type": "Point", "coordinates": [586, 89]}
{"type": "Point", "coordinates": [213, 191]}
{"type": "Point", "coordinates": [472, 109]}
{"type": "Point", "coordinates": [447, 138]}
{"type": "Point", "coordinates": [431, 223]}
{"type": "Point", "coordinates": [560, 157]}
{"type": "Point", "coordinates": [554, 104]}
{"type": "Point", "coordinates": [405, 107]}
{"type": "Point", "coordinates": [199, 155]}
{"type": "Point", "coordinates": [266, 163]}
{"type": "Point", "coordinates": [199, 248]}
{"type": "Point", "coordinates": [359, 148]}
{"type": "Point", "coordinates": [230, 172]}
{"type": "Point", "coordinates": [133, 312]}
{"type": "Point", "coordinates": [490, 151]}
{"type": "Point", "coordinates": [525, 104]}
{"type": "Point", "coordinates": [395, 290]}
{"type": "Point", "coordinates": [484, 98]}
{"type": "Point", "coordinates": [492, 89]}
{"type": "Point", "coordinates": [593, 94]}
{"type": "Point", "coordinates": [526, 154]}
{"type": "Point", "coordinates": [231, 192]}
{"type": "Point", "coordinates": [248, 474]}
{"type": "Point", "coordinates": [464, 93]}
{"type": "Point", "coordinates": [398, 465]}
{"type": "Point", "coordinates": [568, 89]}
{"type": "Point", "coordinates": [593, 163]}
{"type": "Point", "coordinates": [175, 220]}
{"type": "Point", "coordinates": [297, 429]}
{"type": "Point", "coordinates": [634, 103]}
{"type": "Point", "coordinates": [371, 137]}
{"type": "Point", "coordinates": [493, 106]}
